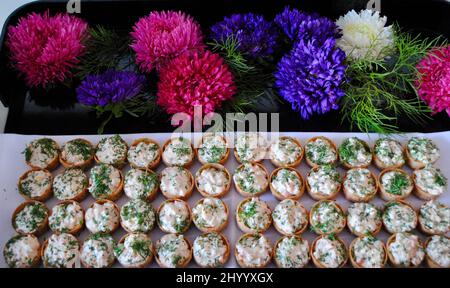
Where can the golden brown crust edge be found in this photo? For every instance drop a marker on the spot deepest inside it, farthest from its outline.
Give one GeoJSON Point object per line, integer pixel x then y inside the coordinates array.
{"type": "Point", "coordinates": [103, 201]}
{"type": "Point", "coordinates": [353, 260]}
{"type": "Point", "coordinates": [219, 167]}
{"type": "Point", "coordinates": [47, 193]}
{"type": "Point", "coordinates": [280, 196]}
{"type": "Point", "coordinates": [185, 262]}
{"type": "Point", "coordinates": [353, 198]}
{"type": "Point", "coordinates": [217, 229]}
{"type": "Point", "coordinates": [187, 164]}
{"type": "Point", "coordinates": [320, 197]}
{"type": "Point", "coordinates": [37, 259]}
{"type": "Point", "coordinates": [173, 200]}
{"type": "Point", "coordinates": [311, 211]}
{"type": "Point", "coordinates": [293, 164]}
{"type": "Point", "coordinates": [391, 258]}
{"type": "Point", "coordinates": [221, 161]}
{"type": "Point", "coordinates": [387, 196]}
{"type": "Point", "coordinates": [275, 247]}
{"type": "Point", "coordinates": [332, 144]}
{"type": "Point", "coordinates": [428, 259]}
{"type": "Point", "coordinates": [188, 192]}
{"type": "Point", "coordinates": [242, 225]}
{"type": "Point", "coordinates": [299, 231]}
{"type": "Point", "coordinates": [85, 163]}
{"type": "Point", "coordinates": [245, 194]}
{"type": "Point", "coordinates": [147, 261]}
{"type": "Point", "coordinates": [316, 261]}
{"type": "Point", "coordinates": [241, 263]}
{"type": "Point", "coordinates": [419, 192]}
{"type": "Point", "coordinates": [41, 228]}
{"type": "Point", "coordinates": [152, 164]}
{"type": "Point", "coordinates": [79, 227]}
{"type": "Point", "coordinates": [403, 202]}
{"type": "Point", "coordinates": [226, 256]}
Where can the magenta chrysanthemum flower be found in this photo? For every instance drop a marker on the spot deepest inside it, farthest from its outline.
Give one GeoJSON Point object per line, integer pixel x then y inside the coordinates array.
{"type": "Point", "coordinates": [195, 79]}
{"type": "Point", "coordinates": [162, 36]}
{"type": "Point", "coordinates": [434, 80]}
{"type": "Point", "coordinates": [44, 48]}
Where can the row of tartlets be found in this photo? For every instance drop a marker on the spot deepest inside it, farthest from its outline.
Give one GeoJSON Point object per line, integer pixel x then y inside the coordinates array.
{"type": "Point", "coordinates": [212, 249]}
{"type": "Point", "coordinates": [210, 215]}
{"type": "Point", "coordinates": [144, 153]}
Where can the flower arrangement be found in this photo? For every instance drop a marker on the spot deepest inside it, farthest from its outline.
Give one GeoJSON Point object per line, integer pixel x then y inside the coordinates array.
{"type": "Point", "coordinates": [162, 36]}
{"type": "Point", "coordinates": [113, 92]}
{"type": "Point", "coordinates": [46, 48]}
{"type": "Point", "coordinates": [433, 83]}
{"type": "Point", "coordinates": [192, 79]}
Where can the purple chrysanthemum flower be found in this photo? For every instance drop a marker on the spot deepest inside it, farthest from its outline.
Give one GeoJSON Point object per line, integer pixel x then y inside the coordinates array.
{"type": "Point", "coordinates": [298, 25]}
{"type": "Point", "coordinates": [109, 87]}
{"type": "Point", "coordinates": [256, 36]}
{"type": "Point", "coordinates": [309, 77]}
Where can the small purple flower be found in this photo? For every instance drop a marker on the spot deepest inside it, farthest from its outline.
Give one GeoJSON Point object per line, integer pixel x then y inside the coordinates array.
{"type": "Point", "coordinates": [109, 87]}
{"type": "Point", "coordinates": [309, 77]}
{"type": "Point", "coordinates": [256, 36]}
{"type": "Point", "coordinates": [298, 25]}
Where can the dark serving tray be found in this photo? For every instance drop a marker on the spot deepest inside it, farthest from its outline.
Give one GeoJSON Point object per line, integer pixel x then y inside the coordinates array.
{"type": "Point", "coordinates": [36, 111]}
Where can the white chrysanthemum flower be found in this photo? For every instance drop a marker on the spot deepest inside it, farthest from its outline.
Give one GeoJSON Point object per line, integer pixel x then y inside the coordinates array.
{"type": "Point", "coordinates": [364, 35]}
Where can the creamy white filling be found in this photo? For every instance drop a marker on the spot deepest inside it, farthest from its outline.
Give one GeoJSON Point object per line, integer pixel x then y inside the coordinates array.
{"type": "Point", "coordinates": [326, 217]}
{"type": "Point", "coordinates": [21, 251]}
{"type": "Point", "coordinates": [35, 183]}
{"type": "Point", "coordinates": [137, 216]}
{"type": "Point", "coordinates": [174, 216]}
{"type": "Point", "coordinates": [329, 253]}
{"type": "Point", "coordinates": [359, 182]}
{"type": "Point", "coordinates": [358, 153]}
{"type": "Point", "coordinates": [389, 181]}
{"type": "Point", "coordinates": [251, 178]}
{"type": "Point", "coordinates": [69, 184]}
{"type": "Point", "coordinates": [139, 184]}
{"type": "Point", "coordinates": [30, 218]}
{"type": "Point", "coordinates": [62, 251]}
{"type": "Point", "coordinates": [251, 147]}
{"type": "Point", "coordinates": [290, 216]}
{"type": "Point", "coordinates": [135, 250]}
{"type": "Point", "coordinates": [142, 154]}
{"type": "Point", "coordinates": [111, 150]}
{"type": "Point", "coordinates": [210, 250]}
{"type": "Point", "coordinates": [175, 181]}
{"type": "Point", "coordinates": [285, 151]}
{"type": "Point", "coordinates": [212, 149]}
{"type": "Point", "coordinates": [389, 152]}
{"type": "Point", "coordinates": [255, 214]}
{"type": "Point", "coordinates": [399, 218]}
{"type": "Point", "coordinates": [431, 181]}
{"type": "Point", "coordinates": [76, 152]}
{"type": "Point", "coordinates": [212, 181]}
{"type": "Point", "coordinates": [323, 181]}
{"type": "Point", "coordinates": [435, 217]}
{"type": "Point", "coordinates": [406, 250]}
{"type": "Point", "coordinates": [178, 152]}
{"type": "Point", "coordinates": [104, 175]}
{"type": "Point", "coordinates": [438, 249]}
{"type": "Point", "coordinates": [320, 152]}
{"type": "Point", "coordinates": [363, 218]}
{"type": "Point", "coordinates": [41, 152]}
{"type": "Point", "coordinates": [98, 252]}
{"type": "Point", "coordinates": [423, 150]}
{"type": "Point", "coordinates": [172, 250]}
{"type": "Point", "coordinates": [291, 252]}
{"type": "Point", "coordinates": [209, 213]}
{"type": "Point", "coordinates": [101, 217]}
{"type": "Point", "coordinates": [369, 252]}
{"type": "Point", "coordinates": [65, 217]}
{"type": "Point", "coordinates": [287, 183]}
{"type": "Point", "coordinates": [254, 250]}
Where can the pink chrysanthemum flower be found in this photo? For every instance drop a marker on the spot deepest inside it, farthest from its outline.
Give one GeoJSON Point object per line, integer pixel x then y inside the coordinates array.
{"type": "Point", "coordinates": [195, 79]}
{"type": "Point", "coordinates": [162, 36]}
{"type": "Point", "coordinates": [44, 48]}
{"type": "Point", "coordinates": [434, 80]}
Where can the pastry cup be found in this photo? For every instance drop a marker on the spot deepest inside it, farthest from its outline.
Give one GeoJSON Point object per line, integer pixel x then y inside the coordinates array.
{"type": "Point", "coordinates": [242, 263]}
{"type": "Point", "coordinates": [47, 193]}
{"type": "Point", "coordinates": [241, 223]}
{"type": "Point", "coordinates": [354, 198]}
{"type": "Point", "coordinates": [86, 265]}
{"type": "Point", "coordinates": [264, 189]}
{"type": "Point", "coordinates": [403, 203]}
{"type": "Point", "coordinates": [353, 260]}
{"type": "Point", "coordinates": [189, 220]}
{"type": "Point", "coordinates": [421, 226]}
{"type": "Point", "coordinates": [119, 164]}
{"type": "Point", "coordinates": [35, 262]}
{"type": "Point", "coordinates": [420, 193]}
{"type": "Point", "coordinates": [44, 247]}
{"type": "Point", "coordinates": [218, 167]}
{"type": "Point", "coordinates": [430, 262]}
{"type": "Point", "coordinates": [375, 232]}
{"type": "Point", "coordinates": [391, 258]}
{"type": "Point", "coordinates": [79, 227]}
{"type": "Point", "coordinates": [154, 193]}
{"type": "Point", "coordinates": [413, 164]}
{"type": "Point", "coordinates": [82, 194]}
{"type": "Point", "coordinates": [39, 229]}
{"type": "Point", "coordinates": [185, 165]}
{"type": "Point", "coordinates": [103, 201]}
{"type": "Point", "coordinates": [297, 161]}
{"type": "Point", "coordinates": [348, 166]}
{"type": "Point", "coordinates": [185, 262]}
{"type": "Point", "coordinates": [380, 165]}
{"type": "Point", "coordinates": [275, 247]}
{"type": "Point", "coordinates": [280, 196]}
{"type": "Point", "coordinates": [320, 197]}
{"type": "Point", "coordinates": [52, 165]}
{"type": "Point", "coordinates": [152, 164]}
{"type": "Point", "coordinates": [298, 231]}
{"type": "Point", "coordinates": [316, 261]}
{"type": "Point", "coordinates": [217, 229]}
{"type": "Point", "coordinates": [188, 192]}
{"type": "Point", "coordinates": [85, 163]}
{"type": "Point", "coordinates": [226, 255]}
{"type": "Point", "coordinates": [147, 261]}
{"type": "Point", "coordinates": [117, 192]}
{"type": "Point", "coordinates": [223, 160]}
{"type": "Point", "coordinates": [386, 195]}
{"type": "Point", "coordinates": [314, 207]}
{"type": "Point", "coordinates": [332, 144]}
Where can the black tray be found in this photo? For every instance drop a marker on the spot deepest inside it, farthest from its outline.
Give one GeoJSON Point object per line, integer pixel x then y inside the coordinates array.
{"type": "Point", "coordinates": [39, 112]}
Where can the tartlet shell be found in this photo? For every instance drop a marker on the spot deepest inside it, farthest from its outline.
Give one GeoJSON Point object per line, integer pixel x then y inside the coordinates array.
{"type": "Point", "coordinates": [428, 259]}
{"type": "Point", "coordinates": [353, 260]}
{"type": "Point", "coordinates": [37, 259]}
{"type": "Point", "coordinates": [296, 162]}
{"type": "Point", "coordinates": [403, 203]}
{"type": "Point", "coordinates": [217, 229]}
{"type": "Point", "coordinates": [185, 165]}
{"type": "Point", "coordinates": [188, 192]}
{"type": "Point", "coordinates": [226, 256]}
{"type": "Point", "coordinates": [118, 164]}
{"type": "Point", "coordinates": [221, 161]}
{"type": "Point", "coordinates": [241, 261]}
{"type": "Point", "coordinates": [185, 262]}
{"type": "Point", "coordinates": [53, 164]}
{"type": "Point", "coordinates": [82, 194]}
{"type": "Point", "coordinates": [391, 258]}
{"type": "Point", "coordinates": [241, 223]}
{"type": "Point", "coordinates": [320, 197]}
{"type": "Point", "coordinates": [147, 261]}
{"type": "Point", "coordinates": [79, 227]}
{"type": "Point", "coordinates": [44, 247]}
{"type": "Point", "coordinates": [218, 167]}
{"type": "Point", "coordinates": [101, 202]}
{"type": "Point", "coordinates": [299, 231]}
{"type": "Point", "coordinates": [414, 164]}
{"type": "Point", "coordinates": [316, 261]}
{"type": "Point", "coordinates": [348, 166]}
{"type": "Point", "coordinates": [275, 247]}
{"type": "Point", "coordinates": [189, 215]}
{"type": "Point", "coordinates": [332, 144]}
{"type": "Point", "coordinates": [41, 228]}
{"type": "Point", "coordinates": [86, 265]}
{"type": "Point", "coordinates": [47, 193]}
{"type": "Point", "coordinates": [419, 192]}
{"type": "Point", "coordinates": [353, 198]}
{"type": "Point", "coordinates": [263, 190]}
{"type": "Point", "coordinates": [152, 164]}
{"type": "Point", "coordinates": [386, 195]}
{"type": "Point", "coordinates": [154, 193]}
{"type": "Point", "coordinates": [311, 212]}
{"type": "Point", "coordinates": [380, 165]}
{"type": "Point", "coordinates": [85, 163]}
{"type": "Point", "coordinates": [280, 196]}
{"type": "Point", "coordinates": [116, 193]}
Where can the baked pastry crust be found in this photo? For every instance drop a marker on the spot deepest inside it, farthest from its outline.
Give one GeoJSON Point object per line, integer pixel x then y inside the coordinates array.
{"type": "Point", "coordinates": [218, 167]}
{"type": "Point", "coordinates": [430, 262]}
{"type": "Point", "coordinates": [188, 192]}
{"type": "Point", "coordinates": [86, 265]}
{"type": "Point", "coordinates": [419, 192]}
{"type": "Point", "coordinates": [75, 230]}
{"type": "Point", "coordinates": [52, 164]}
{"type": "Point", "coordinates": [339, 207]}
{"type": "Point", "coordinates": [223, 160]}
{"type": "Point", "coordinates": [42, 226]}
{"type": "Point", "coordinates": [217, 229]}
{"type": "Point", "coordinates": [422, 227]}
{"type": "Point", "coordinates": [380, 165]}
{"type": "Point", "coordinates": [280, 196]}
{"type": "Point", "coordinates": [44, 247]}
{"type": "Point", "coordinates": [226, 255]}
{"type": "Point", "coordinates": [388, 196]}
{"type": "Point", "coordinates": [148, 259]}
{"type": "Point", "coordinates": [402, 202]}
{"type": "Point", "coordinates": [186, 261]}
{"type": "Point", "coordinates": [79, 196]}
{"type": "Point", "coordinates": [153, 164]}
{"type": "Point", "coordinates": [391, 258]}
{"type": "Point", "coordinates": [355, 198]}
{"type": "Point", "coordinates": [241, 223]}
{"type": "Point", "coordinates": [67, 164]}
{"type": "Point", "coordinates": [298, 231]}
{"type": "Point", "coordinates": [317, 196]}
{"type": "Point", "coordinates": [186, 164]}
{"type": "Point", "coordinates": [246, 194]}
{"type": "Point", "coordinates": [103, 201]}
{"type": "Point", "coordinates": [348, 165]}
{"type": "Point", "coordinates": [332, 144]}
{"type": "Point", "coordinates": [189, 220]}
{"type": "Point", "coordinates": [35, 261]}
{"type": "Point", "coordinates": [316, 261]}
{"type": "Point", "coordinates": [242, 263]}
{"type": "Point", "coordinates": [275, 248]}
{"type": "Point", "coordinates": [48, 191]}
{"type": "Point", "coordinates": [117, 192]}
{"type": "Point", "coordinates": [297, 161]}
{"type": "Point", "coordinates": [353, 261]}
{"type": "Point", "coordinates": [119, 163]}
